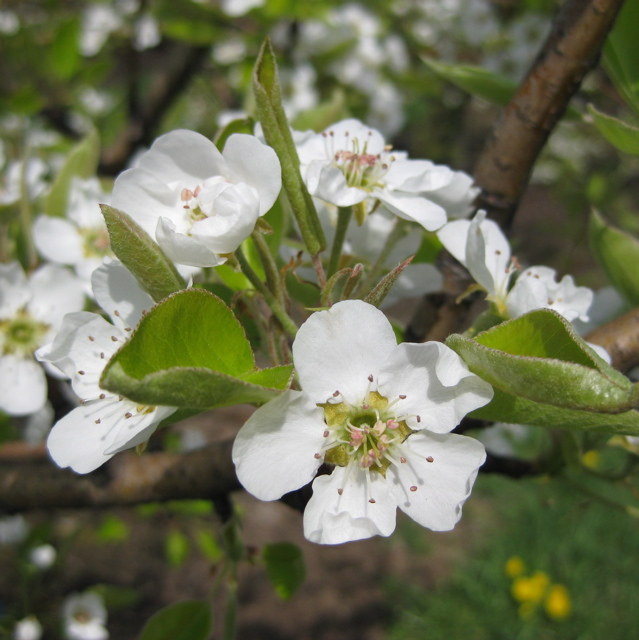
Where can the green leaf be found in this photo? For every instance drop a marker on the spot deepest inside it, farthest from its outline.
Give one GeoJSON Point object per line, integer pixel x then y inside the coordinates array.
{"type": "Point", "coordinates": [176, 548]}
{"type": "Point", "coordinates": [113, 529]}
{"type": "Point", "coordinates": [620, 53]}
{"type": "Point", "coordinates": [188, 620]}
{"type": "Point", "coordinates": [285, 567]}
{"type": "Point", "coordinates": [82, 162]}
{"type": "Point", "coordinates": [191, 351]}
{"type": "Point", "coordinates": [64, 55]}
{"type": "Point", "coordinates": [323, 115]}
{"type": "Point", "coordinates": [482, 83]}
{"type": "Point", "coordinates": [241, 125]}
{"type": "Point", "coordinates": [539, 357]}
{"type": "Point", "coordinates": [505, 407]}
{"type": "Point", "coordinates": [618, 255]}
{"type": "Point", "coordinates": [277, 133]}
{"type": "Point", "coordinates": [620, 134]}
{"type": "Point", "coordinates": [141, 255]}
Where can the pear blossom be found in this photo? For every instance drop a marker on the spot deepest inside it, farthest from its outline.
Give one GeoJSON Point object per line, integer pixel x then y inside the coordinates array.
{"type": "Point", "coordinates": [380, 414]}
{"type": "Point", "coordinates": [198, 203]}
{"type": "Point", "coordinates": [85, 616]}
{"type": "Point", "coordinates": [31, 310]}
{"type": "Point", "coordinates": [82, 239]}
{"type": "Point", "coordinates": [483, 249]}
{"type": "Point", "coordinates": [28, 628]}
{"type": "Point", "coordinates": [104, 423]}
{"type": "Point", "coordinates": [349, 164]}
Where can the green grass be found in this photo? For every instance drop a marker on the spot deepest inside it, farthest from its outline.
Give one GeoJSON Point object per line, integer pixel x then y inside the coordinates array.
{"type": "Point", "coordinates": [588, 546]}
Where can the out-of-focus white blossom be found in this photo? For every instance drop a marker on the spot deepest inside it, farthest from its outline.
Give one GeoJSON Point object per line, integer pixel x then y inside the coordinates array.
{"type": "Point", "coordinates": [84, 617]}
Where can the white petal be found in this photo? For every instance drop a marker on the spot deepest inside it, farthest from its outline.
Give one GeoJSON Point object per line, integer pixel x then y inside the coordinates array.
{"type": "Point", "coordinates": [437, 385]}
{"type": "Point", "coordinates": [24, 385]}
{"type": "Point", "coordinates": [56, 292]}
{"type": "Point", "coordinates": [415, 208]}
{"type": "Point", "coordinates": [528, 293]}
{"type": "Point", "coordinates": [14, 289]}
{"type": "Point", "coordinates": [453, 236]}
{"type": "Point", "coordinates": [138, 428]}
{"type": "Point", "coordinates": [236, 210]}
{"type": "Point", "coordinates": [457, 196]}
{"type": "Point", "coordinates": [338, 349]}
{"type": "Point", "coordinates": [274, 452]}
{"type": "Point", "coordinates": [443, 484]}
{"type": "Point", "coordinates": [334, 518]}
{"type": "Point", "coordinates": [255, 164]}
{"type": "Point", "coordinates": [83, 346]}
{"type": "Point", "coordinates": [329, 184]}
{"type": "Point", "coordinates": [93, 432]}
{"type": "Point", "coordinates": [145, 198]}
{"type": "Point", "coordinates": [58, 240]}
{"type": "Point", "coordinates": [184, 249]}
{"type": "Point", "coordinates": [116, 289]}
{"type": "Point", "coordinates": [184, 156]}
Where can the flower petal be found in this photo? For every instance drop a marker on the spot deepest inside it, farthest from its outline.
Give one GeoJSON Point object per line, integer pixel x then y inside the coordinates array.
{"type": "Point", "coordinates": [453, 236]}
{"type": "Point", "coordinates": [437, 385]}
{"type": "Point", "coordinates": [332, 517]}
{"type": "Point", "coordinates": [255, 164]}
{"type": "Point", "coordinates": [184, 249]}
{"type": "Point", "coordinates": [24, 385]}
{"type": "Point", "coordinates": [56, 292]}
{"type": "Point", "coordinates": [274, 452]}
{"type": "Point", "coordinates": [329, 184]}
{"type": "Point", "coordinates": [57, 240]}
{"type": "Point", "coordinates": [415, 208]}
{"type": "Point", "coordinates": [185, 157]}
{"type": "Point", "coordinates": [338, 349]}
{"type": "Point", "coordinates": [443, 484]}
{"type": "Point", "coordinates": [14, 290]}
{"type": "Point", "coordinates": [117, 291]}
{"type": "Point", "coordinates": [236, 210]}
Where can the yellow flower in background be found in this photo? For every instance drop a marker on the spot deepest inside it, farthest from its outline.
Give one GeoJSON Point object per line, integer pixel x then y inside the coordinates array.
{"type": "Point", "coordinates": [530, 589]}
{"type": "Point", "coordinates": [514, 567]}
{"type": "Point", "coordinates": [591, 459]}
{"type": "Point", "coordinates": [557, 603]}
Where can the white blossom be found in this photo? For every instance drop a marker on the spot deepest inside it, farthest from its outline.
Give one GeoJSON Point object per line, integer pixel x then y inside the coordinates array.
{"type": "Point", "coordinates": [28, 628]}
{"type": "Point", "coordinates": [81, 239]}
{"type": "Point", "coordinates": [198, 203]}
{"type": "Point", "coordinates": [104, 423]}
{"type": "Point", "coordinates": [349, 164]}
{"type": "Point", "coordinates": [483, 249]}
{"type": "Point", "coordinates": [84, 617]}
{"type": "Point", "coordinates": [31, 310]}
{"type": "Point", "coordinates": [381, 413]}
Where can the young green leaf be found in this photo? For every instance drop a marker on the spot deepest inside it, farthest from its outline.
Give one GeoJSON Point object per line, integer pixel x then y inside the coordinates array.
{"type": "Point", "coordinates": [190, 351]}
{"type": "Point", "coordinates": [82, 162]}
{"type": "Point", "coordinates": [618, 255]}
{"type": "Point", "coordinates": [141, 255]}
{"type": "Point", "coordinates": [277, 134]}
{"type": "Point", "coordinates": [540, 358]}
{"type": "Point", "coordinates": [188, 620]}
{"type": "Point", "coordinates": [285, 567]}
{"type": "Point", "coordinates": [620, 53]}
{"type": "Point", "coordinates": [620, 134]}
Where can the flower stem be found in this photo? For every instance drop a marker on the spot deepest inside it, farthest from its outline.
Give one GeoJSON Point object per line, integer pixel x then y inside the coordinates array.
{"type": "Point", "coordinates": [278, 310]}
{"type": "Point", "coordinates": [271, 271]}
{"type": "Point", "coordinates": [394, 236]}
{"type": "Point", "coordinates": [344, 215]}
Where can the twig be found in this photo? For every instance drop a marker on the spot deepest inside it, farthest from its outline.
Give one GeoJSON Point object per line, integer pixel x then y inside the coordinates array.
{"type": "Point", "coordinates": [570, 52]}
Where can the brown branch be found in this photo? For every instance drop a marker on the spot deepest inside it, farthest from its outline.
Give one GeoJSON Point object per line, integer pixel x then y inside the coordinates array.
{"type": "Point", "coordinates": [167, 87]}
{"type": "Point", "coordinates": [620, 338]}
{"type": "Point", "coordinates": [570, 52]}
{"type": "Point", "coordinates": [127, 479]}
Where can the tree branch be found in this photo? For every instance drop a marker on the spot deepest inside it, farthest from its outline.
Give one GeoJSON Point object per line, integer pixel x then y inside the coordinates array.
{"type": "Point", "coordinates": [620, 338]}
{"type": "Point", "coordinates": [570, 52]}
{"type": "Point", "coordinates": [127, 479]}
